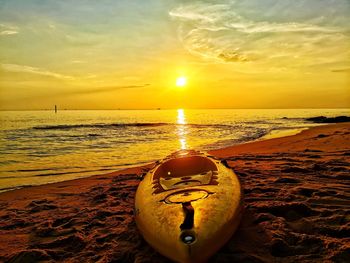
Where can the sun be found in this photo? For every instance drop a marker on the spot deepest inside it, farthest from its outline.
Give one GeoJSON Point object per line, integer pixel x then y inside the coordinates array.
{"type": "Point", "coordinates": [181, 81]}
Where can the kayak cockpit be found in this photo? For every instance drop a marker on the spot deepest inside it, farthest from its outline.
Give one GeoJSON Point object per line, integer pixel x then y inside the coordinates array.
{"type": "Point", "coordinates": [184, 172]}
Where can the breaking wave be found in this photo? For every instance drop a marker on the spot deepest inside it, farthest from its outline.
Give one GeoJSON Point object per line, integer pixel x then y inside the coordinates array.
{"type": "Point", "coordinates": [125, 125]}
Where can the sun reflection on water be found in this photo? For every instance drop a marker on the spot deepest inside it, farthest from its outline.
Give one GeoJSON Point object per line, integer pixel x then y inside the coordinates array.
{"type": "Point", "coordinates": [181, 119]}
{"type": "Point", "coordinates": [181, 128]}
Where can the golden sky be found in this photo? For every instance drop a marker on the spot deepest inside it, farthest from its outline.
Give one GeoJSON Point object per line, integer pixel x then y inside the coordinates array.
{"type": "Point", "coordinates": [108, 54]}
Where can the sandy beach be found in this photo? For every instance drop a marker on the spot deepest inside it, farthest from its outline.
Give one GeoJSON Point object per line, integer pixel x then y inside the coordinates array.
{"type": "Point", "coordinates": [296, 208]}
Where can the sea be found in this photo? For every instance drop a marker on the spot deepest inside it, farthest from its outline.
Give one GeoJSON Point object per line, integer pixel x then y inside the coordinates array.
{"type": "Point", "coordinates": [40, 147]}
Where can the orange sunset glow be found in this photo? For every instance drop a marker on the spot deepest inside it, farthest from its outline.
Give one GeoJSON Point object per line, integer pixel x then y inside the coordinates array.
{"type": "Point", "coordinates": [82, 55]}
{"type": "Point", "coordinates": [174, 131]}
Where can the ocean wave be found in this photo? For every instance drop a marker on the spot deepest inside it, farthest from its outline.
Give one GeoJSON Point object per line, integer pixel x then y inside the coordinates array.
{"type": "Point", "coordinates": [125, 125]}
{"type": "Point", "coordinates": [98, 125]}
{"type": "Point", "coordinates": [282, 128]}
{"type": "Point", "coordinates": [253, 135]}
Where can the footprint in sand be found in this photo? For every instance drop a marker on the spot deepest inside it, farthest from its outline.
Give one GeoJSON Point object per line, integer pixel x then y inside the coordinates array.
{"type": "Point", "coordinates": [41, 205]}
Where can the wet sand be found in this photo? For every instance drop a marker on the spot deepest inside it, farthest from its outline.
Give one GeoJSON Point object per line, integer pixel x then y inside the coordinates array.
{"type": "Point", "coordinates": [297, 208]}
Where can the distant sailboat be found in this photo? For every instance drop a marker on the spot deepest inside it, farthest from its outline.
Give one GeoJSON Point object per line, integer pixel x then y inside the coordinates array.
{"type": "Point", "coordinates": [55, 108]}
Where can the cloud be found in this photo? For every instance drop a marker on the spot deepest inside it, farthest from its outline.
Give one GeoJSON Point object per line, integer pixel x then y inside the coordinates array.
{"type": "Point", "coordinates": [78, 62]}
{"type": "Point", "coordinates": [6, 30]}
{"type": "Point", "coordinates": [92, 90]}
{"type": "Point", "coordinates": [232, 56]}
{"type": "Point", "coordinates": [295, 33]}
{"type": "Point", "coordinates": [33, 70]}
{"type": "Point", "coordinates": [343, 70]}
{"type": "Point", "coordinates": [108, 89]}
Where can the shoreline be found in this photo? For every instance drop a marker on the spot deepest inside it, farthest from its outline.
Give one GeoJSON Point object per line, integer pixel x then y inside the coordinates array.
{"type": "Point", "coordinates": [268, 136]}
{"type": "Point", "coordinates": [296, 208]}
{"type": "Point", "coordinates": [283, 133]}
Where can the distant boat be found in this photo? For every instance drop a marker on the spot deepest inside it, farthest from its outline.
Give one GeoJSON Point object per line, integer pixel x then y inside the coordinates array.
{"type": "Point", "coordinates": [55, 108]}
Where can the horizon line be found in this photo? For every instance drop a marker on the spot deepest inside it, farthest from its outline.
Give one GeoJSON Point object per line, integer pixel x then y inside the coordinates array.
{"type": "Point", "coordinates": [289, 108]}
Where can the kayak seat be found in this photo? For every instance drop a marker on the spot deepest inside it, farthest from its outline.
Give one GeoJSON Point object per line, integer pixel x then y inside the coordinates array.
{"type": "Point", "coordinates": [184, 172]}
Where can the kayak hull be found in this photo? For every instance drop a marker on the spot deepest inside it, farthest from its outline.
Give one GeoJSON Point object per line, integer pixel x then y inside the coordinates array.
{"type": "Point", "coordinates": [188, 206]}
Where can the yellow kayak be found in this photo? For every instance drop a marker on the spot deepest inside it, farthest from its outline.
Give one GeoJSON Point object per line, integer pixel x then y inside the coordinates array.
{"type": "Point", "coordinates": [188, 206]}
